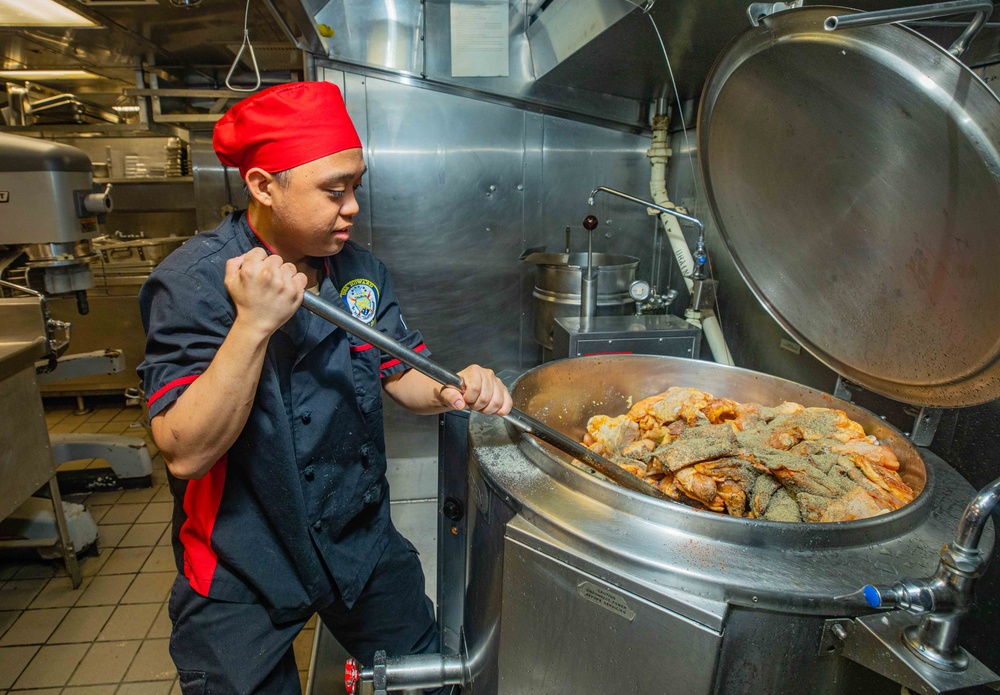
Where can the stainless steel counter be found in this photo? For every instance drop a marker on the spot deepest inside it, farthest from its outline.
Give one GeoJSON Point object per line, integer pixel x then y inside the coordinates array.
{"type": "Point", "coordinates": [23, 338]}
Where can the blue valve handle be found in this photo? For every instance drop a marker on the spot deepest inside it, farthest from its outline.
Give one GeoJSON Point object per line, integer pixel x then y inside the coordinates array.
{"type": "Point", "coordinates": [873, 597]}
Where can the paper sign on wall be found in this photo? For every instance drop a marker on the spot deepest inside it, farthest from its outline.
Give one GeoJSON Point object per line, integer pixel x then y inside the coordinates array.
{"type": "Point", "coordinates": [479, 38]}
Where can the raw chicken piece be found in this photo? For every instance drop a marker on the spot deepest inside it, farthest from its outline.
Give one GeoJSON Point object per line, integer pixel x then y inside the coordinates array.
{"type": "Point", "coordinates": [609, 435]}
{"type": "Point", "coordinates": [699, 487]}
{"type": "Point", "coordinates": [734, 497]}
{"type": "Point", "coordinates": [796, 473]}
{"type": "Point", "coordinates": [675, 403]}
{"type": "Point", "coordinates": [763, 489]}
{"type": "Point", "coordinates": [786, 408]}
{"type": "Point", "coordinates": [637, 449]}
{"type": "Point", "coordinates": [874, 453]}
{"type": "Point", "coordinates": [886, 479]}
{"type": "Point", "coordinates": [812, 424]}
{"type": "Point", "coordinates": [856, 504]}
{"type": "Point", "coordinates": [699, 444]}
{"type": "Point", "coordinates": [633, 466]}
{"type": "Point", "coordinates": [782, 507]}
{"type": "Point", "coordinates": [720, 410]}
{"type": "Point", "coordinates": [669, 486]}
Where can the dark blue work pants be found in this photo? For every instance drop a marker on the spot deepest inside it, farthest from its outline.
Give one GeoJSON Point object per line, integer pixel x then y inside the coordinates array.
{"type": "Point", "coordinates": [224, 648]}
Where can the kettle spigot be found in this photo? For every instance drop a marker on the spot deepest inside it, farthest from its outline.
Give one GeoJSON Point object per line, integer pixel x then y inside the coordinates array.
{"type": "Point", "coordinates": [906, 594]}
{"type": "Point", "coordinates": [945, 598]}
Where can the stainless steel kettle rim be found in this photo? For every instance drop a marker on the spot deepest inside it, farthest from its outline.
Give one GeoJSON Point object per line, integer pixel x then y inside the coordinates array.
{"type": "Point", "coordinates": [855, 179]}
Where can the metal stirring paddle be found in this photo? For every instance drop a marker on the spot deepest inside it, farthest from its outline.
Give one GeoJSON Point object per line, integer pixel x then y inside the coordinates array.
{"type": "Point", "coordinates": [519, 419]}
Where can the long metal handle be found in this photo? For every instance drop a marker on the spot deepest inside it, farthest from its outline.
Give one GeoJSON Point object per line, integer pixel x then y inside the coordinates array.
{"type": "Point", "coordinates": [519, 419]}
{"type": "Point", "coordinates": [339, 317]}
{"type": "Point", "coordinates": [982, 8]}
{"type": "Point", "coordinates": [529, 425]}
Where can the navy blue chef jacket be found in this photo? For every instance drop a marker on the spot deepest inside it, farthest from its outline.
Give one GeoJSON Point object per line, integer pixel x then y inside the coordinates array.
{"type": "Point", "coordinates": [300, 502]}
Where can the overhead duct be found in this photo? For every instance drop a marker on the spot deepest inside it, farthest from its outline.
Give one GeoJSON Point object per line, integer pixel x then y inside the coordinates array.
{"type": "Point", "coordinates": [609, 47]}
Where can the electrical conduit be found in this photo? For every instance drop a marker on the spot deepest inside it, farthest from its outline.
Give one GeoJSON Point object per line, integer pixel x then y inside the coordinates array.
{"type": "Point", "coordinates": [659, 154]}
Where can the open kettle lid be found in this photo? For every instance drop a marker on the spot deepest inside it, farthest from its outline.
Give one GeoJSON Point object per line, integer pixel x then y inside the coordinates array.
{"type": "Point", "coordinates": [854, 176]}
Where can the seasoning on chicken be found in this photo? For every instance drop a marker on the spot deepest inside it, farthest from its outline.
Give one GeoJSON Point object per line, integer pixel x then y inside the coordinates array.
{"type": "Point", "coordinates": [784, 463]}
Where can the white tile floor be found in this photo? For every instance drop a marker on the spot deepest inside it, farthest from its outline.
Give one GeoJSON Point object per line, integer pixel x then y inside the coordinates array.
{"type": "Point", "coordinates": [109, 636]}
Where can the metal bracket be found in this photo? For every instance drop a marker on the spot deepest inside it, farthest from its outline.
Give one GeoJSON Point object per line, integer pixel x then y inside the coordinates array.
{"type": "Point", "coordinates": [925, 425]}
{"type": "Point", "coordinates": [925, 419]}
{"type": "Point", "coordinates": [128, 456]}
{"type": "Point", "coordinates": [379, 673]}
{"type": "Point", "coordinates": [843, 389]}
{"type": "Point", "coordinates": [874, 642]}
{"type": "Point", "coordinates": [703, 293]}
{"type": "Point", "coordinates": [81, 365]}
{"type": "Point", "coordinates": [758, 10]}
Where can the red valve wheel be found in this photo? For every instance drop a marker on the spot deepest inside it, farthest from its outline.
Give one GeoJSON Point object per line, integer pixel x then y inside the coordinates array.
{"type": "Point", "coordinates": [351, 676]}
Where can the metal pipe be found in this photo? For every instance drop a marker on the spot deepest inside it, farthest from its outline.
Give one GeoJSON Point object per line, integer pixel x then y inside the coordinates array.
{"type": "Point", "coordinates": [982, 8]}
{"type": "Point", "coordinates": [970, 528]}
{"type": "Point", "coordinates": [588, 279]}
{"type": "Point", "coordinates": [26, 290]}
{"type": "Point", "coordinates": [700, 256]}
{"type": "Point", "coordinates": [419, 671]}
{"type": "Point", "coordinates": [680, 215]}
{"type": "Point", "coordinates": [523, 422]}
{"type": "Point", "coordinates": [407, 674]}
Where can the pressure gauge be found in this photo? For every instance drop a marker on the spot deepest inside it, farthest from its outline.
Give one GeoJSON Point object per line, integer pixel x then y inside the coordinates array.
{"type": "Point", "coordinates": [639, 290]}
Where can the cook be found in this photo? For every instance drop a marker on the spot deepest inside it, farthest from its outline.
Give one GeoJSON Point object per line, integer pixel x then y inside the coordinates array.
{"type": "Point", "coordinates": [270, 418]}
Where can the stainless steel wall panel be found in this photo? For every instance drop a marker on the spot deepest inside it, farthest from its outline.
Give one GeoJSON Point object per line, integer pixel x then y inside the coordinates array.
{"type": "Point", "coordinates": [447, 216]}
{"type": "Point", "coordinates": [212, 194]}
{"type": "Point", "coordinates": [576, 158]}
{"type": "Point", "coordinates": [356, 99]}
{"type": "Point", "coordinates": [534, 210]}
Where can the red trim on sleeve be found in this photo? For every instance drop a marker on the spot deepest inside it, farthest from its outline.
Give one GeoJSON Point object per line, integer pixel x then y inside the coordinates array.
{"type": "Point", "coordinates": [201, 505]}
{"type": "Point", "coordinates": [361, 348]}
{"type": "Point", "coordinates": [250, 224]}
{"type": "Point", "coordinates": [392, 363]}
{"type": "Point", "coordinates": [170, 385]}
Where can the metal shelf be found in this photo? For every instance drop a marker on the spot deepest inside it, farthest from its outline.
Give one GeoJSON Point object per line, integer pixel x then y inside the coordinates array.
{"type": "Point", "coordinates": [146, 179]}
{"type": "Point", "coordinates": [100, 129]}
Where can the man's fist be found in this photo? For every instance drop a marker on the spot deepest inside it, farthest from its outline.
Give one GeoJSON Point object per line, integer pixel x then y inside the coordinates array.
{"type": "Point", "coordinates": [265, 289]}
{"type": "Point", "coordinates": [484, 392]}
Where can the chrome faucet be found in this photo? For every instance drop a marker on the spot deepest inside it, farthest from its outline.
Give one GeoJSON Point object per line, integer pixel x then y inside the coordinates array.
{"type": "Point", "coordinates": [945, 598]}
{"type": "Point", "coordinates": [700, 254]}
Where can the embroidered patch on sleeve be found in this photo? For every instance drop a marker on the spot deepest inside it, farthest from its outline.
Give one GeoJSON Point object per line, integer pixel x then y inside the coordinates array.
{"type": "Point", "coordinates": [361, 297]}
